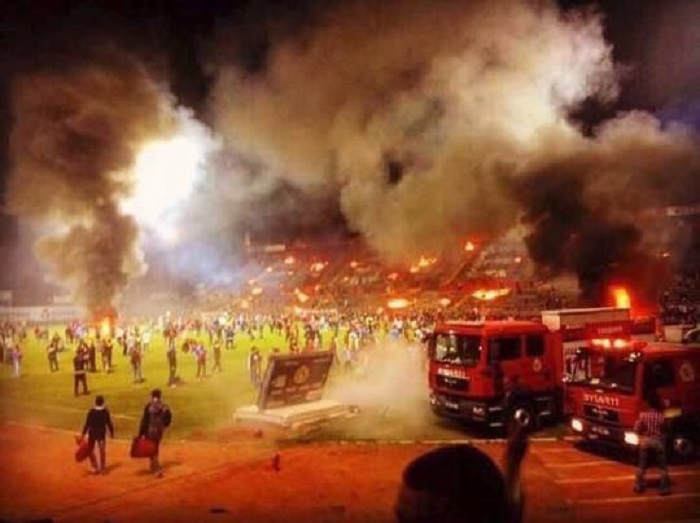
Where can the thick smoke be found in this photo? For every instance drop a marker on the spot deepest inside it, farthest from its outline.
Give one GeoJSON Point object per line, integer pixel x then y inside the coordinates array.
{"type": "Point", "coordinates": [591, 204]}
{"type": "Point", "coordinates": [428, 121]}
{"type": "Point", "coordinates": [74, 140]}
{"type": "Point", "coordinates": [390, 385]}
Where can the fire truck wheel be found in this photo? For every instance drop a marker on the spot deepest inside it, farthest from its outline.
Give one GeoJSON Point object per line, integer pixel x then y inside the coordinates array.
{"type": "Point", "coordinates": [683, 448]}
{"type": "Point", "coordinates": [524, 415]}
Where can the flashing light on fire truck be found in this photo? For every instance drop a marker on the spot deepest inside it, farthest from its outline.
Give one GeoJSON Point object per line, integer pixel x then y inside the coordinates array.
{"type": "Point", "coordinates": [576, 425]}
{"type": "Point", "coordinates": [631, 438]}
{"type": "Point", "coordinates": [611, 343]}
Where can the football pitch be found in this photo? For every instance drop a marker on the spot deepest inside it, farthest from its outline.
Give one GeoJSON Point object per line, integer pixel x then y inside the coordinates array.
{"type": "Point", "coordinates": [199, 406]}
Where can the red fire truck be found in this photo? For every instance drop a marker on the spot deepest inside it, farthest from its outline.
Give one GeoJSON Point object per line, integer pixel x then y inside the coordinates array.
{"type": "Point", "coordinates": [473, 367]}
{"type": "Point", "coordinates": [611, 381]}
{"type": "Point", "coordinates": [491, 371]}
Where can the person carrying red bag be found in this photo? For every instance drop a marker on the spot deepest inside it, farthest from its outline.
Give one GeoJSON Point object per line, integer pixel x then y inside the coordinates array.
{"type": "Point", "coordinates": [97, 422]}
{"type": "Point", "coordinates": [155, 419]}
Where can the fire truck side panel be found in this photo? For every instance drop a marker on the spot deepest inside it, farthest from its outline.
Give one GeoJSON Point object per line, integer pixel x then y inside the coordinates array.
{"type": "Point", "coordinates": [557, 320]}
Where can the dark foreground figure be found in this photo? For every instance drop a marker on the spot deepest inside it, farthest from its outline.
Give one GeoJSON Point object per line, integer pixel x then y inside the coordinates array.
{"type": "Point", "coordinates": [461, 484]}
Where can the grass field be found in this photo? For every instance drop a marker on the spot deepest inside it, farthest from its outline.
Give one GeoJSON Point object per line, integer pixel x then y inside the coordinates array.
{"type": "Point", "coordinates": [392, 395]}
{"type": "Point", "coordinates": [47, 399]}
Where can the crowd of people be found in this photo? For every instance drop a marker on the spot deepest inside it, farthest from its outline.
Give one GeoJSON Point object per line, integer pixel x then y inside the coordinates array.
{"type": "Point", "coordinates": [680, 303]}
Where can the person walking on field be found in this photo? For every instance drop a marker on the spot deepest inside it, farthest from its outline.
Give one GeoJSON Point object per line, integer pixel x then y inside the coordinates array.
{"type": "Point", "coordinates": [52, 353]}
{"type": "Point", "coordinates": [200, 353]}
{"type": "Point", "coordinates": [97, 422]}
{"type": "Point", "coordinates": [217, 356]}
{"type": "Point", "coordinates": [136, 362]}
{"type": "Point", "coordinates": [172, 366]}
{"type": "Point", "coordinates": [16, 355]}
{"type": "Point", "coordinates": [79, 376]}
{"type": "Point", "coordinates": [651, 429]}
{"type": "Point", "coordinates": [155, 419]}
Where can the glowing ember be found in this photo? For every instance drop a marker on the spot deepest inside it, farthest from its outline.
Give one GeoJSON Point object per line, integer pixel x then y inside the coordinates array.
{"type": "Point", "coordinates": [289, 260]}
{"type": "Point", "coordinates": [303, 298]}
{"type": "Point", "coordinates": [489, 294]}
{"type": "Point", "coordinates": [444, 302]}
{"type": "Point", "coordinates": [469, 246]}
{"type": "Point", "coordinates": [621, 297]}
{"type": "Point", "coordinates": [354, 264]}
{"type": "Point", "coordinates": [398, 303]}
{"type": "Point", "coordinates": [393, 276]}
{"type": "Point", "coordinates": [424, 262]}
{"type": "Point", "coordinates": [317, 267]}
{"type": "Point", "coordinates": [256, 291]}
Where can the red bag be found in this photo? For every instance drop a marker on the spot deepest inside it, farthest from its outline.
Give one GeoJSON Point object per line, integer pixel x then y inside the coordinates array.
{"type": "Point", "coordinates": [83, 450]}
{"type": "Point", "coordinates": [142, 447]}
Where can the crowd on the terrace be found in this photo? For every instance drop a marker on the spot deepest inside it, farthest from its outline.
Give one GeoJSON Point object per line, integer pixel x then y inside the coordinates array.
{"type": "Point", "coordinates": [680, 304]}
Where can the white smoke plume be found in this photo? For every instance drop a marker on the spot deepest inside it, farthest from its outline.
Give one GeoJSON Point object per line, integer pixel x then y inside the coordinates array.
{"type": "Point", "coordinates": [388, 383]}
{"type": "Point", "coordinates": [427, 119]}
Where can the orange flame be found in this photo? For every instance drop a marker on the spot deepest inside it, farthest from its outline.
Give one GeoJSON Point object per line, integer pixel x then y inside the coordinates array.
{"type": "Point", "coordinates": [490, 294]}
{"type": "Point", "coordinates": [105, 328]}
{"type": "Point", "coordinates": [398, 303]}
{"type": "Point", "coordinates": [621, 297]}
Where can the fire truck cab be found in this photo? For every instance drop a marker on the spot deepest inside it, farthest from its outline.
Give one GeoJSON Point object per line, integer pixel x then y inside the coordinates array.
{"type": "Point", "coordinates": [490, 372]}
{"type": "Point", "coordinates": [610, 384]}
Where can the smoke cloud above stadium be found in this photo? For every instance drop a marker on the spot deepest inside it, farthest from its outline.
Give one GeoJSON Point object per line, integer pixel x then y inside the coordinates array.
{"type": "Point", "coordinates": [431, 124]}
{"type": "Point", "coordinates": [420, 122]}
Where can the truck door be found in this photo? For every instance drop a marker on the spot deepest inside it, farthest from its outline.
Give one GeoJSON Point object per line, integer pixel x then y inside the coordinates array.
{"type": "Point", "coordinates": [504, 356]}
{"type": "Point", "coordinates": [660, 377]}
{"type": "Point", "coordinates": [537, 368]}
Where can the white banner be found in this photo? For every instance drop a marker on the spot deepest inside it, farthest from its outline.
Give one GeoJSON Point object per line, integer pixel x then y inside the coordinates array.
{"type": "Point", "coordinates": [47, 314]}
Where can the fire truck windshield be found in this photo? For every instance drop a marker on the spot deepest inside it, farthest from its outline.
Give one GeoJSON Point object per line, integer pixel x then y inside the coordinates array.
{"type": "Point", "coordinates": [606, 371]}
{"type": "Point", "coordinates": [457, 348]}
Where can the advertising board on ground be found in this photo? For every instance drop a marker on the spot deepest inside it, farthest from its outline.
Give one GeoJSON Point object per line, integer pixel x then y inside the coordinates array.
{"type": "Point", "coordinates": [294, 379]}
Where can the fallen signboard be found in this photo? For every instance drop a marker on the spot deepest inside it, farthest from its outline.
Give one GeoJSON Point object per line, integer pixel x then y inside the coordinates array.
{"type": "Point", "coordinates": [291, 394]}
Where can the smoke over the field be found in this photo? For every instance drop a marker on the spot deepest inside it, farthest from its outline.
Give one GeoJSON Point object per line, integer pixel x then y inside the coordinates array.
{"type": "Point", "coordinates": [75, 136]}
{"type": "Point", "coordinates": [391, 390]}
{"type": "Point", "coordinates": [431, 121]}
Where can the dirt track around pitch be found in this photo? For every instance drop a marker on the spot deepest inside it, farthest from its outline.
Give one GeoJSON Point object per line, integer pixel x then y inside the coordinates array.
{"type": "Point", "coordinates": [233, 479]}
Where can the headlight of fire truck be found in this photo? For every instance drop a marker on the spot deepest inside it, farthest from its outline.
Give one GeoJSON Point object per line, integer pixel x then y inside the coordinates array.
{"type": "Point", "coordinates": [631, 438]}
{"type": "Point", "coordinates": [577, 424]}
